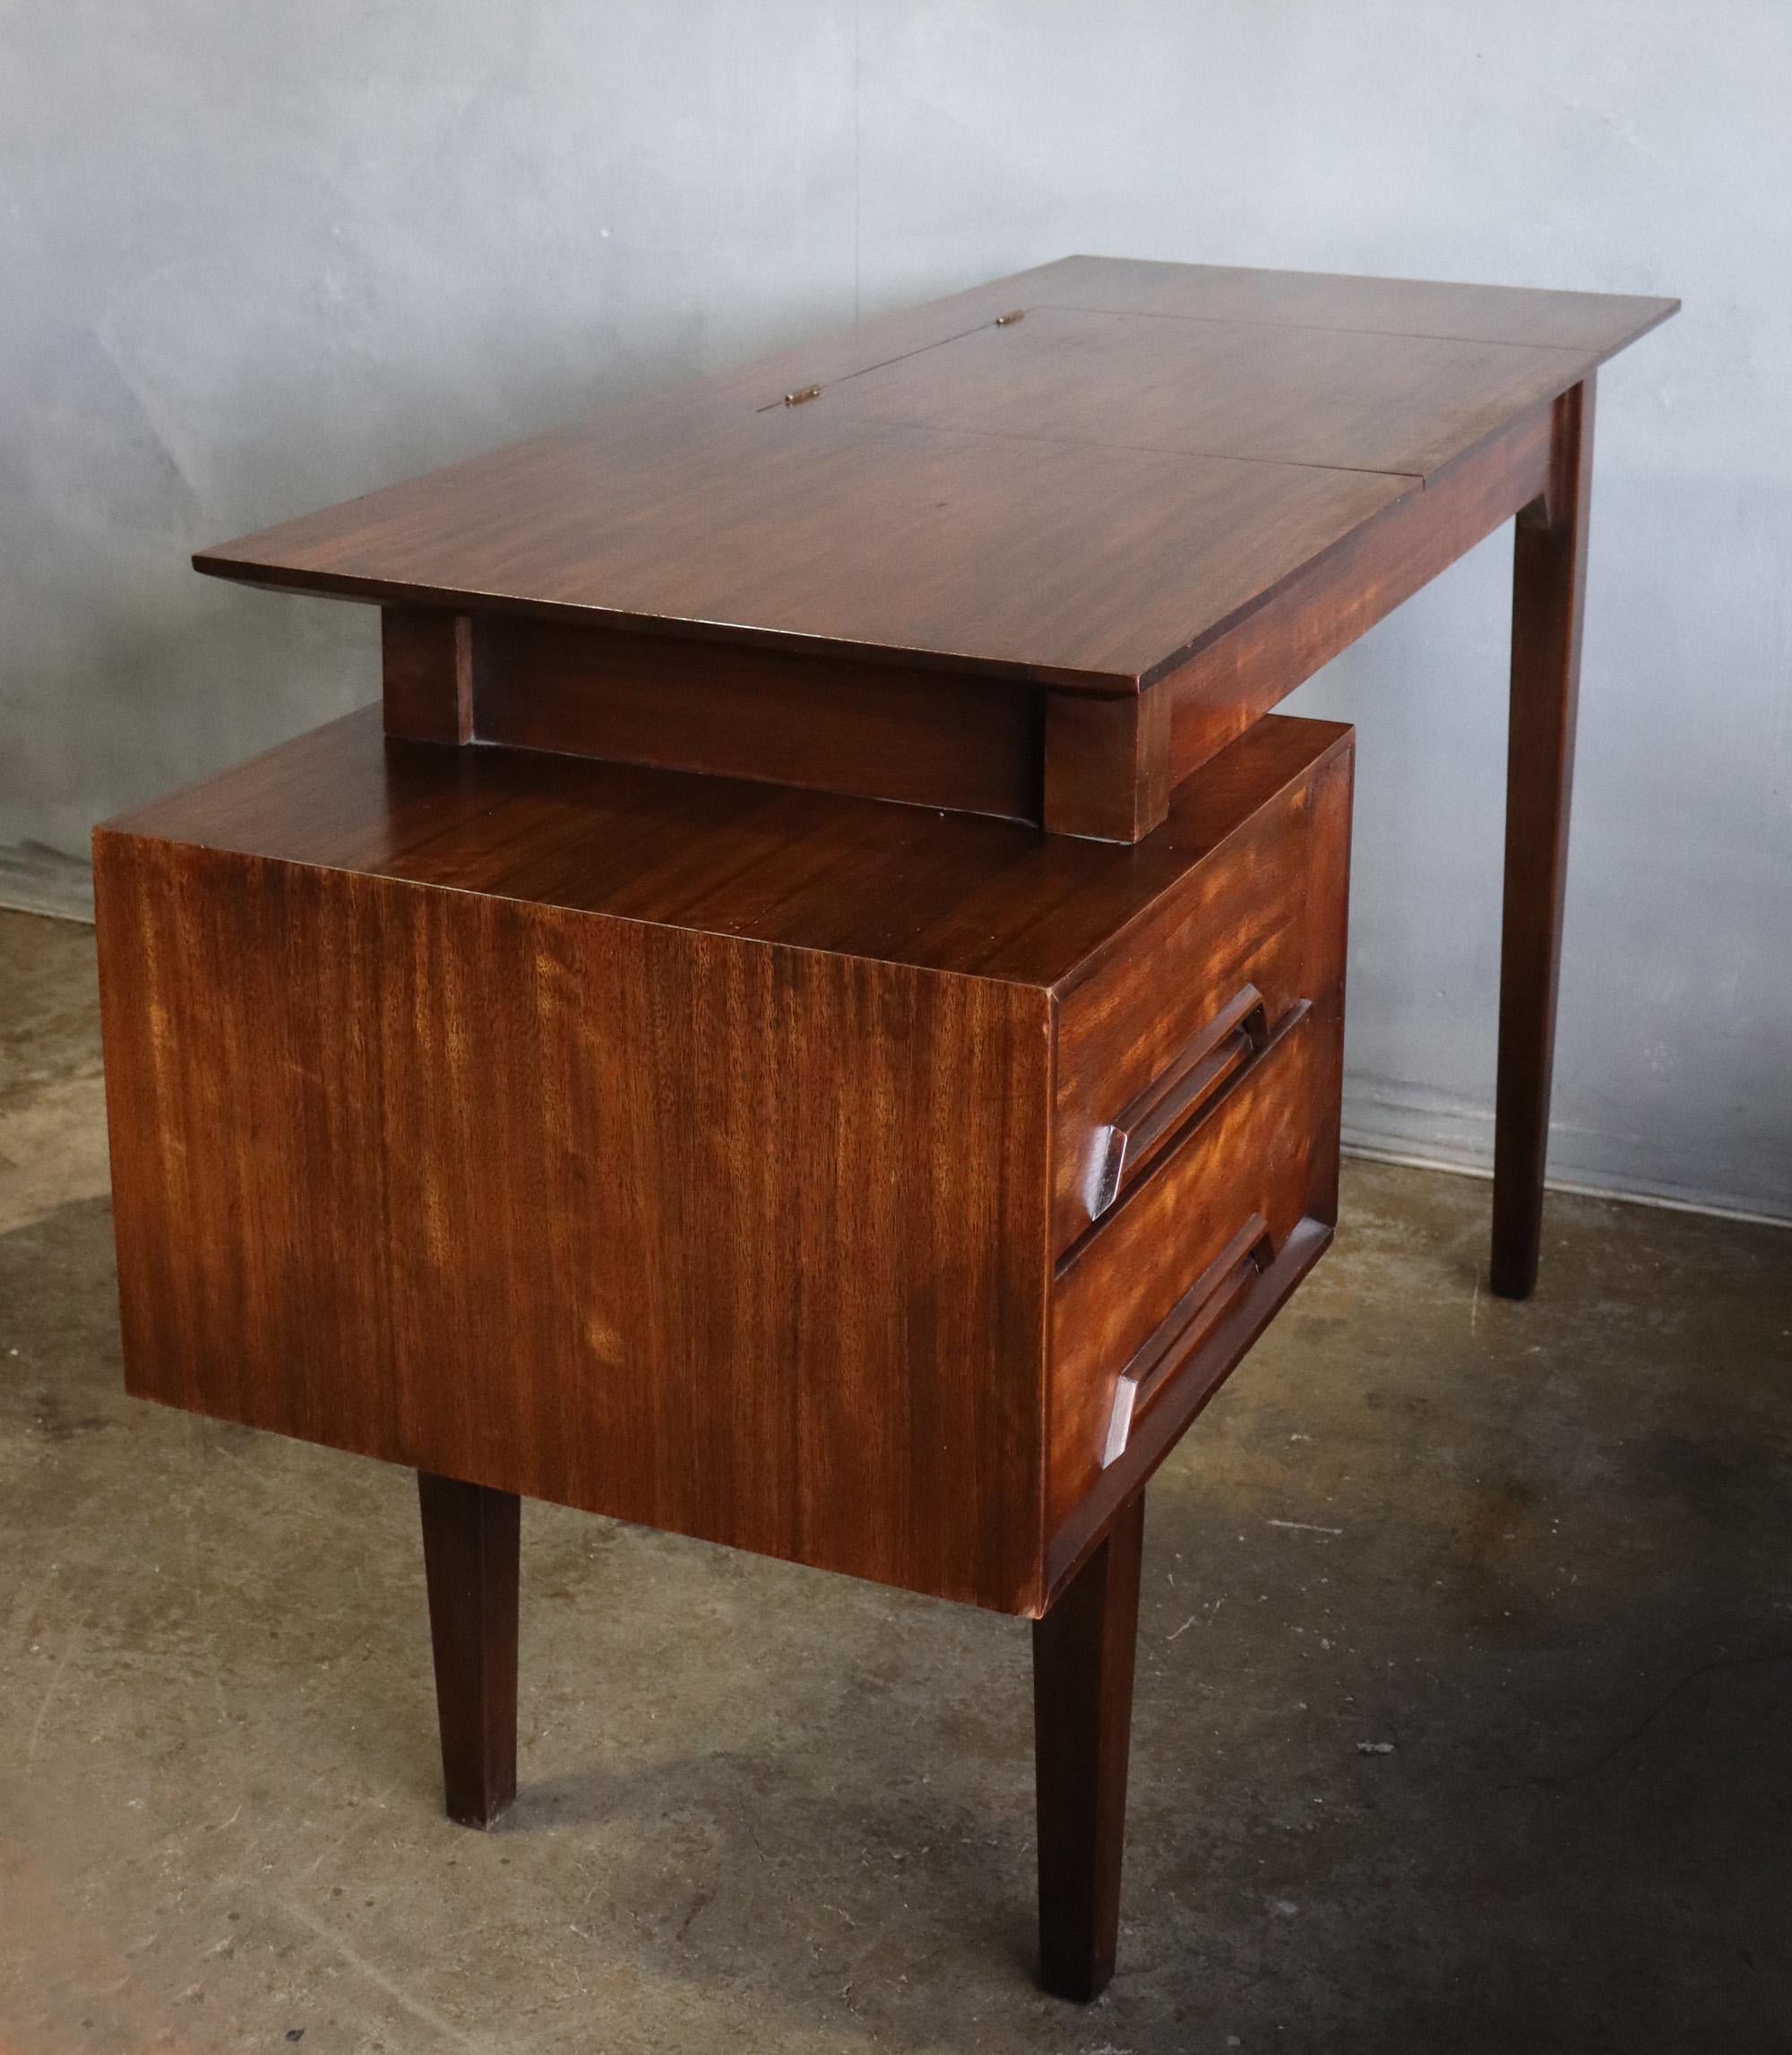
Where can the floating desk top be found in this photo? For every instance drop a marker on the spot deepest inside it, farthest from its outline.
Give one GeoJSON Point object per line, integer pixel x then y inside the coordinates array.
{"type": "Point", "coordinates": [1087, 495]}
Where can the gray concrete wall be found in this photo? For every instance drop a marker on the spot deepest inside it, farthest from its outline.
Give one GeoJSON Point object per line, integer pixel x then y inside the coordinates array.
{"type": "Point", "coordinates": [258, 258]}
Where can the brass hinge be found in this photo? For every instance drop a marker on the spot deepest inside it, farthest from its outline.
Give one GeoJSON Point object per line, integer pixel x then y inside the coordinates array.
{"type": "Point", "coordinates": [804, 392]}
{"type": "Point", "coordinates": [1008, 320]}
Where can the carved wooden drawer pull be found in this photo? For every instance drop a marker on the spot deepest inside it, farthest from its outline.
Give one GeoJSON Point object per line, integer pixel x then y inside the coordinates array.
{"type": "Point", "coordinates": [1186, 1327]}
{"type": "Point", "coordinates": [1236, 1034]}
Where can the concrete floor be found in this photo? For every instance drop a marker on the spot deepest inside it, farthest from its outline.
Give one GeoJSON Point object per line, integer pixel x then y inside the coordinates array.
{"type": "Point", "coordinates": [1465, 1680]}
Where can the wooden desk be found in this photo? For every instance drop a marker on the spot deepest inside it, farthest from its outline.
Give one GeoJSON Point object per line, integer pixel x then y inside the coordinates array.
{"type": "Point", "coordinates": [593, 1087]}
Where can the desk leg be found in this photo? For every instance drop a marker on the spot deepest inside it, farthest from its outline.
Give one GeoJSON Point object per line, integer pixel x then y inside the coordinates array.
{"type": "Point", "coordinates": [1082, 1719]}
{"type": "Point", "coordinates": [1549, 581]}
{"type": "Point", "coordinates": [469, 1557]}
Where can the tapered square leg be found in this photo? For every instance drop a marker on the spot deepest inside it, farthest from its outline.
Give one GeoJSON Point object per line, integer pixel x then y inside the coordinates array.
{"type": "Point", "coordinates": [470, 1543]}
{"type": "Point", "coordinates": [1082, 1722]}
{"type": "Point", "coordinates": [1549, 585]}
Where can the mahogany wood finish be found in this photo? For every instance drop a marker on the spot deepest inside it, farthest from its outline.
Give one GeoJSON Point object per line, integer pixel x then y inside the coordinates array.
{"type": "Point", "coordinates": [1246, 670]}
{"type": "Point", "coordinates": [577, 1080]}
{"type": "Point", "coordinates": [471, 1541]}
{"type": "Point", "coordinates": [682, 1149]}
{"type": "Point", "coordinates": [1268, 923]}
{"type": "Point", "coordinates": [830, 724]}
{"type": "Point", "coordinates": [1097, 546]}
{"type": "Point", "coordinates": [943, 891]}
{"type": "Point", "coordinates": [1076, 763]}
{"type": "Point", "coordinates": [1255, 390]}
{"type": "Point", "coordinates": [1251, 1159]}
{"type": "Point", "coordinates": [993, 559]}
{"type": "Point", "coordinates": [1549, 590]}
{"type": "Point", "coordinates": [427, 663]}
{"type": "Point", "coordinates": [1108, 765]}
{"type": "Point", "coordinates": [1082, 1718]}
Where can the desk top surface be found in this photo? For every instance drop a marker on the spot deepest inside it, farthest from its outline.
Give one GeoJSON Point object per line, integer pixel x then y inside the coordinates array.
{"type": "Point", "coordinates": [1077, 475]}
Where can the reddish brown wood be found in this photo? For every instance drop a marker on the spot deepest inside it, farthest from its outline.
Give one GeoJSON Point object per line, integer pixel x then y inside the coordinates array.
{"type": "Point", "coordinates": [1149, 1122]}
{"type": "Point", "coordinates": [1260, 1152]}
{"type": "Point", "coordinates": [427, 663]}
{"type": "Point", "coordinates": [1108, 765]}
{"type": "Point", "coordinates": [1078, 497]}
{"type": "Point", "coordinates": [1243, 673]}
{"type": "Point", "coordinates": [1549, 582]}
{"type": "Point", "coordinates": [1082, 1719]}
{"type": "Point", "coordinates": [1262, 914]}
{"type": "Point", "coordinates": [1101, 475]}
{"type": "Point", "coordinates": [827, 723]}
{"type": "Point", "coordinates": [943, 892]}
{"type": "Point", "coordinates": [623, 1216]}
{"type": "Point", "coordinates": [1172, 1345]}
{"type": "Point", "coordinates": [991, 559]}
{"type": "Point", "coordinates": [1261, 391]}
{"type": "Point", "coordinates": [470, 1540]}
{"type": "Point", "coordinates": [1175, 1408]}
{"type": "Point", "coordinates": [1328, 925]}
{"type": "Point", "coordinates": [664, 1145]}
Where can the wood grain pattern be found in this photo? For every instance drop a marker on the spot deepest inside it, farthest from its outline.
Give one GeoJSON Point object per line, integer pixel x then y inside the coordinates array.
{"type": "Point", "coordinates": [1239, 675]}
{"type": "Point", "coordinates": [1339, 398]}
{"type": "Point", "coordinates": [1100, 769]}
{"type": "Point", "coordinates": [1108, 765]}
{"type": "Point", "coordinates": [1104, 560]}
{"type": "Point", "coordinates": [1261, 1151]}
{"type": "Point", "coordinates": [731, 1241]}
{"type": "Point", "coordinates": [1176, 1409]}
{"type": "Point", "coordinates": [1548, 601]}
{"type": "Point", "coordinates": [1259, 913]}
{"type": "Point", "coordinates": [427, 668]}
{"type": "Point", "coordinates": [659, 1144]}
{"type": "Point", "coordinates": [1083, 1652]}
{"type": "Point", "coordinates": [1289, 1159]}
{"type": "Point", "coordinates": [827, 724]}
{"type": "Point", "coordinates": [810, 532]}
{"type": "Point", "coordinates": [951, 892]}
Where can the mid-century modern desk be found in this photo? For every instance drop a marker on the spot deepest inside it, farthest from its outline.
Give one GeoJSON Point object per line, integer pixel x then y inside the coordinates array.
{"type": "Point", "coordinates": [814, 1017]}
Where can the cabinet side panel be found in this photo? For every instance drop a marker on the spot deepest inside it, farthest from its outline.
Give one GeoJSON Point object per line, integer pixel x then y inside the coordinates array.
{"type": "Point", "coordinates": [246, 1185]}
{"type": "Point", "coordinates": [737, 1240]}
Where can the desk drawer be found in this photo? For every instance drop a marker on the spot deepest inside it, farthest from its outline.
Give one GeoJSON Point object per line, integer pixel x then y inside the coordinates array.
{"type": "Point", "coordinates": [1133, 1301]}
{"type": "Point", "coordinates": [1184, 1003]}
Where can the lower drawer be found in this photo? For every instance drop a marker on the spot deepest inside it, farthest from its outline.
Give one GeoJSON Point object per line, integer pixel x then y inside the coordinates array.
{"type": "Point", "coordinates": [1135, 1300]}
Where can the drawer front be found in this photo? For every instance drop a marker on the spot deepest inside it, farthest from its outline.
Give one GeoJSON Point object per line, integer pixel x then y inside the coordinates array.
{"type": "Point", "coordinates": [1186, 1000]}
{"type": "Point", "coordinates": [1135, 1300]}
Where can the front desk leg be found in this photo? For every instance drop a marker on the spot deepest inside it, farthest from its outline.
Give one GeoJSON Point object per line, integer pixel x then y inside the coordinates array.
{"type": "Point", "coordinates": [470, 1537]}
{"type": "Point", "coordinates": [1549, 582]}
{"type": "Point", "coordinates": [1082, 1720]}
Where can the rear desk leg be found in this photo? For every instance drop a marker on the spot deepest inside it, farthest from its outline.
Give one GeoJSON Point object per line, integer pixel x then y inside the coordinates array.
{"type": "Point", "coordinates": [1549, 583]}
{"type": "Point", "coordinates": [1082, 1719]}
{"type": "Point", "coordinates": [470, 1538]}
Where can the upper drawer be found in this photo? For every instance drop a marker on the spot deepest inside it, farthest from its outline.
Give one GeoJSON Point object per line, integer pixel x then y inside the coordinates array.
{"type": "Point", "coordinates": [1185, 997]}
